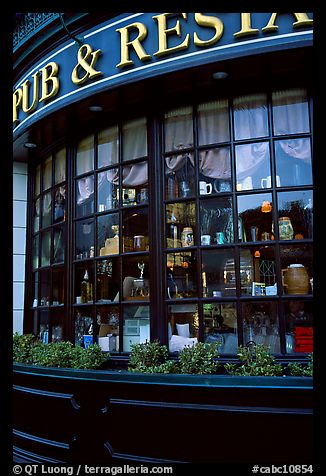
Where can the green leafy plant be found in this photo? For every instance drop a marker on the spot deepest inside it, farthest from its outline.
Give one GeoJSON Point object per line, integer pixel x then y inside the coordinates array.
{"type": "Point", "coordinates": [199, 359]}
{"type": "Point", "coordinates": [28, 349]}
{"type": "Point", "coordinates": [302, 370]}
{"type": "Point", "coordinates": [257, 361]}
{"type": "Point", "coordinates": [151, 357]}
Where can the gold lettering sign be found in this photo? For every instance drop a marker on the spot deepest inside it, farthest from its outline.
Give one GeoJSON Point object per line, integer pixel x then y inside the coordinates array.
{"type": "Point", "coordinates": [208, 21]}
{"type": "Point", "coordinates": [163, 32]}
{"type": "Point", "coordinates": [84, 54]}
{"type": "Point", "coordinates": [49, 81]}
{"type": "Point", "coordinates": [302, 20]}
{"type": "Point", "coordinates": [246, 26]}
{"type": "Point", "coordinates": [126, 43]}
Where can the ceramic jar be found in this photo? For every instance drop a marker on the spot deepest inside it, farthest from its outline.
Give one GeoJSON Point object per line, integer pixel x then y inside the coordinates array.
{"type": "Point", "coordinates": [187, 237]}
{"type": "Point", "coordinates": [295, 279]}
{"type": "Point", "coordinates": [285, 228]}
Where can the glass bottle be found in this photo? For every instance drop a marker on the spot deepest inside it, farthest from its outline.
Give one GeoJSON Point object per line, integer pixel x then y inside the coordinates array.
{"type": "Point", "coordinates": [174, 230]}
{"type": "Point", "coordinates": [84, 288]}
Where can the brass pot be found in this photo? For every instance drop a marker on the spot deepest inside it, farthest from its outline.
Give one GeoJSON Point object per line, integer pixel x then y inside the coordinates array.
{"type": "Point", "coordinates": [295, 279]}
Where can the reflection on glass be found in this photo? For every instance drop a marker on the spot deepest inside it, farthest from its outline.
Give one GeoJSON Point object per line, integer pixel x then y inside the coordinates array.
{"type": "Point", "coordinates": [293, 161]}
{"type": "Point", "coordinates": [47, 174]}
{"type": "Point", "coordinates": [297, 269]}
{"type": "Point", "coordinates": [107, 280]}
{"type": "Point", "coordinates": [134, 139]}
{"type": "Point", "coordinates": [108, 190]}
{"type": "Point", "coordinates": [135, 274]}
{"type": "Point", "coordinates": [290, 111]}
{"type": "Point", "coordinates": [220, 326]}
{"type": "Point", "coordinates": [37, 182]}
{"type": "Point", "coordinates": [255, 221]}
{"type": "Point", "coordinates": [181, 275]}
{"type": "Point", "coordinates": [179, 176]}
{"type": "Point", "coordinates": [45, 248]}
{"type": "Point", "coordinates": [299, 326]}
{"type": "Point", "coordinates": [85, 155]}
{"type": "Point", "coordinates": [178, 129]}
{"type": "Point", "coordinates": [58, 244]}
{"type": "Point", "coordinates": [85, 196]}
{"type": "Point", "coordinates": [83, 327]}
{"type": "Point", "coordinates": [84, 283]}
{"type": "Point", "coordinates": [108, 146]}
{"type": "Point", "coordinates": [253, 166]}
{"type": "Point", "coordinates": [108, 234]}
{"type": "Point", "coordinates": [60, 203]}
{"type": "Point", "coordinates": [35, 298]}
{"type": "Point", "coordinates": [216, 223]}
{"type": "Point", "coordinates": [218, 273]}
{"type": "Point", "coordinates": [136, 326]}
{"type": "Point", "coordinates": [37, 205]}
{"type": "Point", "coordinates": [250, 116]}
{"type": "Point", "coordinates": [213, 122]}
{"type": "Point", "coordinates": [260, 325]}
{"type": "Point", "coordinates": [35, 250]}
{"type": "Point", "coordinates": [57, 332]}
{"type": "Point", "coordinates": [135, 230]}
{"type": "Point", "coordinates": [108, 332]}
{"type": "Point", "coordinates": [58, 286]}
{"type": "Point", "coordinates": [46, 210]}
{"type": "Point", "coordinates": [297, 207]}
{"type": "Point", "coordinates": [215, 171]}
{"type": "Point", "coordinates": [135, 184]}
{"type": "Point", "coordinates": [44, 319]}
{"type": "Point", "coordinates": [181, 224]}
{"type": "Point", "coordinates": [258, 271]}
{"type": "Point", "coordinates": [60, 166]}
{"type": "Point", "coordinates": [183, 324]}
{"type": "Point", "coordinates": [45, 287]}
{"type": "Point", "coordinates": [84, 239]}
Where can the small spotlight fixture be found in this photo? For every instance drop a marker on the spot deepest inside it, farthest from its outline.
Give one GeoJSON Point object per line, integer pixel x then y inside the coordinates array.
{"type": "Point", "coordinates": [30, 145]}
{"type": "Point", "coordinates": [95, 108]}
{"type": "Point", "coordinates": [220, 75]}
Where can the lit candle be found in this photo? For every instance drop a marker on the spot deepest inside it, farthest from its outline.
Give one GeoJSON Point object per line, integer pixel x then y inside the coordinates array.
{"type": "Point", "coordinates": [204, 279]}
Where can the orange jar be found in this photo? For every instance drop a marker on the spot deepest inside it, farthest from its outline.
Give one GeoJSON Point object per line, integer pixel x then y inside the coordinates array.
{"type": "Point", "coordinates": [296, 279]}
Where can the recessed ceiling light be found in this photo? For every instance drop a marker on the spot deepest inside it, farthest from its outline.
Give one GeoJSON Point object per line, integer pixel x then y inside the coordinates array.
{"type": "Point", "coordinates": [220, 75]}
{"type": "Point", "coordinates": [30, 145]}
{"type": "Point", "coordinates": [95, 108]}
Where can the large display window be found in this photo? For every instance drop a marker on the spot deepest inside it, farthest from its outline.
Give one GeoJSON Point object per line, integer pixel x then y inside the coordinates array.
{"type": "Point", "coordinates": [216, 206]}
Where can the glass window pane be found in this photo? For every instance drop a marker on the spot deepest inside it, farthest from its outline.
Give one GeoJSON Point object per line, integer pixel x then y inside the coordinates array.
{"type": "Point", "coordinates": [108, 234]}
{"type": "Point", "coordinates": [134, 139]}
{"type": "Point", "coordinates": [297, 269]}
{"type": "Point", "coordinates": [60, 166]}
{"type": "Point", "coordinates": [84, 239]}
{"type": "Point", "coordinates": [84, 283]}
{"type": "Point", "coordinates": [135, 184]}
{"type": "Point", "coordinates": [293, 162]}
{"type": "Point", "coordinates": [135, 278]}
{"type": "Point", "coordinates": [178, 129]}
{"type": "Point", "coordinates": [58, 286]}
{"type": "Point", "coordinates": [218, 273]}
{"type": "Point", "coordinates": [45, 287]}
{"type": "Point", "coordinates": [85, 196]}
{"type": "Point", "coordinates": [108, 147]}
{"type": "Point", "coordinates": [46, 210]}
{"type": "Point", "coordinates": [299, 326]}
{"type": "Point", "coordinates": [44, 326]}
{"type": "Point", "coordinates": [45, 248]}
{"type": "Point", "coordinates": [183, 326]}
{"type": "Point", "coordinates": [180, 224]}
{"type": "Point", "coordinates": [135, 230]}
{"type": "Point", "coordinates": [220, 326]}
{"type": "Point", "coordinates": [260, 324]}
{"type": "Point", "coordinates": [215, 171]}
{"type": "Point", "coordinates": [179, 176]}
{"type": "Point", "coordinates": [85, 155]}
{"type": "Point", "coordinates": [35, 252]}
{"type": "Point", "coordinates": [107, 280]}
{"type": "Point", "coordinates": [35, 297]}
{"type": "Point", "coordinates": [37, 205]}
{"type": "Point", "coordinates": [295, 211]}
{"type": "Point", "coordinates": [213, 122]}
{"type": "Point", "coordinates": [37, 186]}
{"type": "Point", "coordinates": [108, 331]}
{"type": "Point", "coordinates": [255, 221]}
{"type": "Point", "coordinates": [59, 243]}
{"type": "Point", "coordinates": [250, 116]}
{"type": "Point", "coordinates": [290, 111]}
{"type": "Point", "coordinates": [216, 222]}
{"type": "Point", "coordinates": [258, 271]}
{"type": "Point", "coordinates": [253, 166]}
{"type": "Point", "coordinates": [60, 203]}
{"type": "Point", "coordinates": [108, 190]}
{"type": "Point", "coordinates": [47, 174]}
{"type": "Point", "coordinates": [83, 327]}
{"type": "Point", "coordinates": [181, 275]}
{"type": "Point", "coordinates": [136, 326]}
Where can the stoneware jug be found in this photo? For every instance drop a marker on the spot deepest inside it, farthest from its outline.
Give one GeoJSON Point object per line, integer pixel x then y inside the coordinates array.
{"type": "Point", "coordinates": [295, 279]}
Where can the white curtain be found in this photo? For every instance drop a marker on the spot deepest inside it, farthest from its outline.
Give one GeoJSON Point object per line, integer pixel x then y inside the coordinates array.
{"type": "Point", "coordinates": [134, 139]}
{"type": "Point", "coordinates": [213, 122]}
{"type": "Point", "coordinates": [178, 129]}
{"type": "Point", "coordinates": [85, 189]}
{"type": "Point", "coordinates": [249, 158]}
{"type": "Point", "coordinates": [290, 111]}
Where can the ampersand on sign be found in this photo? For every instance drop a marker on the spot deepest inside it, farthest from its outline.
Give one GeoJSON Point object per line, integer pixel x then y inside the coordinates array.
{"type": "Point", "coordinates": [86, 60]}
